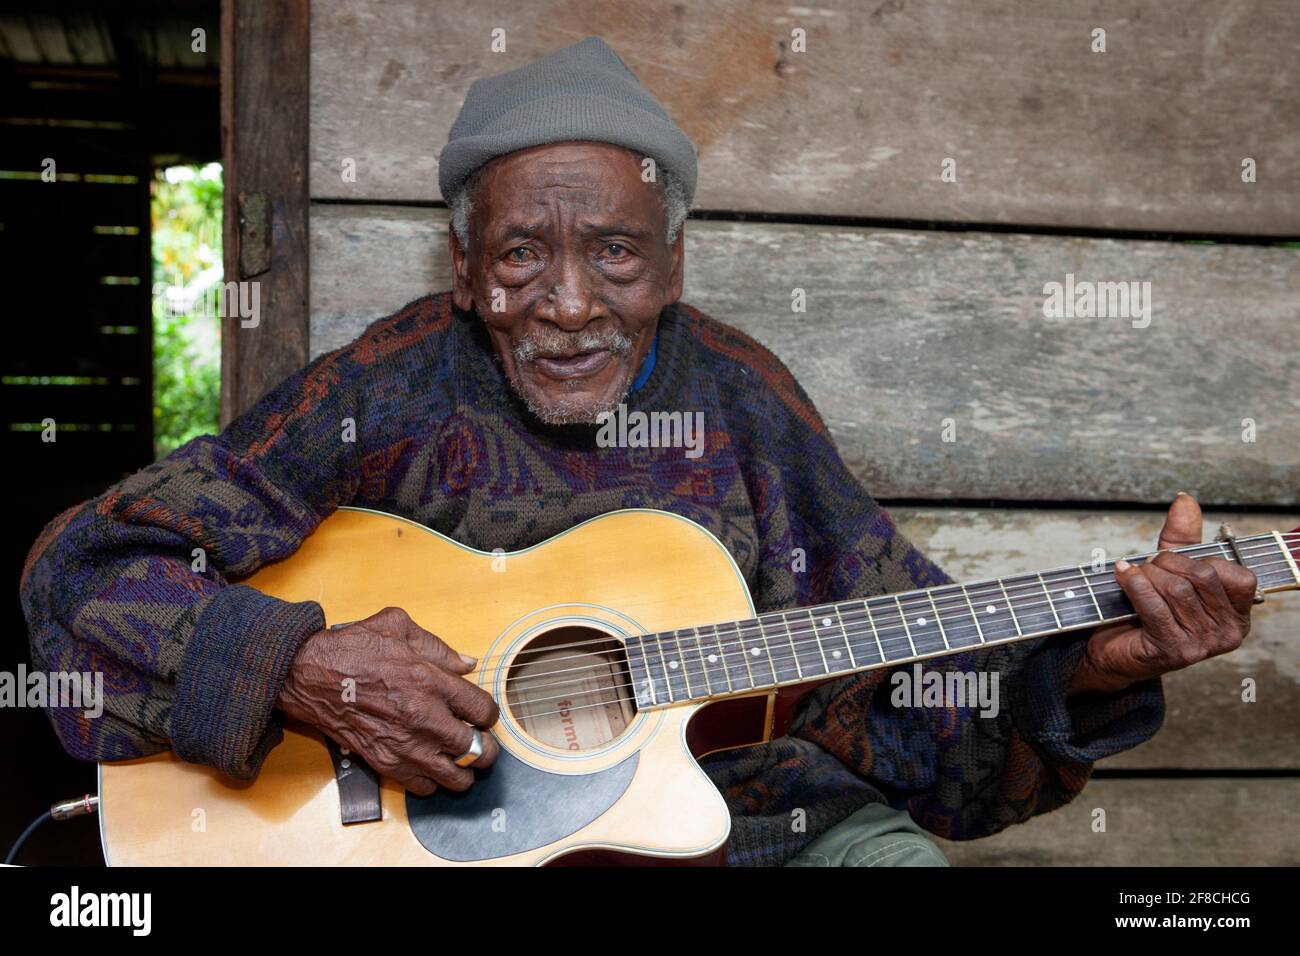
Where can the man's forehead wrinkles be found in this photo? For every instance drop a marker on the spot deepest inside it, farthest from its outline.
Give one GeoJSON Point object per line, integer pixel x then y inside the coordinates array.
{"type": "Point", "coordinates": [568, 176]}
{"type": "Point", "coordinates": [620, 226]}
{"type": "Point", "coordinates": [527, 211]}
{"type": "Point", "coordinates": [511, 227]}
{"type": "Point", "coordinates": [586, 226]}
{"type": "Point", "coordinates": [547, 196]}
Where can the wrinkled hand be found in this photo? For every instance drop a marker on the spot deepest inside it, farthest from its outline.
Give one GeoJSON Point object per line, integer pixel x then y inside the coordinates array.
{"type": "Point", "coordinates": [1188, 610]}
{"type": "Point", "coordinates": [411, 712]}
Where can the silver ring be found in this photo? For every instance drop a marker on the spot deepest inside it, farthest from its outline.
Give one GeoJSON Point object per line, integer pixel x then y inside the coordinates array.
{"type": "Point", "coordinates": [475, 750]}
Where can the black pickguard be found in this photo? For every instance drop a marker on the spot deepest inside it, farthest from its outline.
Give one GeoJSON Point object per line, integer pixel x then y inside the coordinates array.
{"type": "Point", "coordinates": [537, 808]}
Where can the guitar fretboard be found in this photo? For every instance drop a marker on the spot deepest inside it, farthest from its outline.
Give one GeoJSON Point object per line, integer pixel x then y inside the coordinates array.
{"type": "Point", "coordinates": [808, 643]}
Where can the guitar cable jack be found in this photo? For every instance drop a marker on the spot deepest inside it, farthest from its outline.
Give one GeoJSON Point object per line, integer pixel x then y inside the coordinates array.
{"type": "Point", "coordinates": [63, 810]}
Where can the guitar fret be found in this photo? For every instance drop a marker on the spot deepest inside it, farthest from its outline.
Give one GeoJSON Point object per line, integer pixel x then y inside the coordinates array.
{"type": "Point", "coordinates": [1010, 610]}
{"type": "Point", "coordinates": [677, 689]}
{"type": "Point", "coordinates": [821, 650]}
{"type": "Point", "coordinates": [684, 663]}
{"type": "Point", "coordinates": [809, 654]}
{"type": "Point", "coordinates": [643, 690]}
{"type": "Point", "coordinates": [891, 629]}
{"type": "Point", "coordinates": [1083, 573]}
{"type": "Point", "coordinates": [973, 613]}
{"type": "Point", "coordinates": [859, 632]}
{"type": "Point", "coordinates": [1051, 606]}
{"type": "Point", "coordinates": [1074, 607]}
{"type": "Point", "coordinates": [1270, 570]}
{"type": "Point", "coordinates": [714, 661]}
{"type": "Point", "coordinates": [762, 658]}
{"type": "Point", "coordinates": [738, 659]}
{"type": "Point", "coordinates": [794, 650]}
{"type": "Point", "coordinates": [1035, 614]}
{"type": "Point", "coordinates": [961, 629]}
{"type": "Point", "coordinates": [1114, 602]}
{"type": "Point", "coordinates": [1273, 569]}
{"type": "Point", "coordinates": [848, 644]}
{"type": "Point", "coordinates": [831, 639]}
{"type": "Point", "coordinates": [926, 635]}
{"type": "Point", "coordinates": [906, 630]}
{"type": "Point", "coordinates": [654, 661]}
{"type": "Point", "coordinates": [938, 619]}
{"type": "Point", "coordinates": [699, 659]}
{"type": "Point", "coordinates": [1286, 553]}
{"type": "Point", "coordinates": [703, 674]}
{"type": "Point", "coordinates": [780, 656]}
{"type": "Point", "coordinates": [805, 643]}
{"type": "Point", "coordinates": [673, 666]}
{"type": "Point", "coordinates": [835, 638]}
{"type": "Point", "coordinates": [874, 632]}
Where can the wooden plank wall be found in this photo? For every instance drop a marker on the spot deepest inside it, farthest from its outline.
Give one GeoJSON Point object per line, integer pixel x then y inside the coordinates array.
{"type": "Point", "coordinates": [1148, 135]}
{"type": "Point", "coordinates": [821, 171]}
{"type": "Point", "coordinates": [265, 218]}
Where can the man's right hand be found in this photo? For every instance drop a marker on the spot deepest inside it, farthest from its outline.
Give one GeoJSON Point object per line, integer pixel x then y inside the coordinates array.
{"type": "Point", "coordinates": [412, 711]}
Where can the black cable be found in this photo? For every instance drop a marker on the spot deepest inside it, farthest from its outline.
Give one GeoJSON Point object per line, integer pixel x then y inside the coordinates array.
{"type": "Point", "coordinates": [31, 828]}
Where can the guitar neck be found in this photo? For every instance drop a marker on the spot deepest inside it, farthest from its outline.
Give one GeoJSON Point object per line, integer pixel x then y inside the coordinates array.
{"type": "Point", "coordinates": [828, 640]}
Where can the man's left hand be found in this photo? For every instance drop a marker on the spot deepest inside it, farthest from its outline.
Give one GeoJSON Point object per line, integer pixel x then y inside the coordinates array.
{"type": "Point", "coordinates": [1187, 610]}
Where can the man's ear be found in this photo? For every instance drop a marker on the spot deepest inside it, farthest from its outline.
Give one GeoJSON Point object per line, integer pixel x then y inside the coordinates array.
{"type": "Point", "coordinates": [678, 252]}
{"type": "Point", "coordinates": [461, 293]}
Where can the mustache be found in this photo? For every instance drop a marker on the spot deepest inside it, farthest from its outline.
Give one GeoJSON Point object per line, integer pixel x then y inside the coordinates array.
{"type": "Point", "coordinates": [553, 343]}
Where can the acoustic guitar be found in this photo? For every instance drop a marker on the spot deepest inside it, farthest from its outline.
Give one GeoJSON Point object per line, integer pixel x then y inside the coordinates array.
{"type": "Point", "coordinates": [619, 652]}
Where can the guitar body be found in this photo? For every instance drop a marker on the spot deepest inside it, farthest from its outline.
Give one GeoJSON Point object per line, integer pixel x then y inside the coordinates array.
{"type": "Point", "coordinates": [573, 783]}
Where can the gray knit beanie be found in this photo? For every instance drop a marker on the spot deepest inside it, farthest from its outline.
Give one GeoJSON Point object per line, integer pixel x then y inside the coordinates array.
{"type": "Point", "coordinates": [582, 92]}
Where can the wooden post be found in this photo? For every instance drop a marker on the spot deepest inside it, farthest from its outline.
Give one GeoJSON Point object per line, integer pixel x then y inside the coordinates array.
{"type": "Point", "coordinates": [265, 97]}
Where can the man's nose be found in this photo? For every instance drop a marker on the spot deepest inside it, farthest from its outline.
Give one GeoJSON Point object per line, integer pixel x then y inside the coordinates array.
{"type": "Point", "coordinates": [569, 302]}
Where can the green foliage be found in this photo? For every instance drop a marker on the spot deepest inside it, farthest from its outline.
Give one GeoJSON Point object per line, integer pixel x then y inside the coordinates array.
{"type": "Point", "coordinates": [186, 239]}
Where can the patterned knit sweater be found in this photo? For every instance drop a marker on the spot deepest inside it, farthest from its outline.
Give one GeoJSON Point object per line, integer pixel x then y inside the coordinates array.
{"type": "Point", "coordinates": [195, 662]}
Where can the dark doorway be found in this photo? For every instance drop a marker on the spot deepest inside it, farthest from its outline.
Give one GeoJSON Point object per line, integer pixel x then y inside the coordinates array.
{"type": "Point", "coordinates": [95, 98]}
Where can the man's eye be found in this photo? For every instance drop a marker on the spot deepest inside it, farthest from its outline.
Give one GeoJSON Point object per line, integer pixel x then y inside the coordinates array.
{"type": "Point", "coordinates": [519, 254]}
{"type": "Point", "coordinates": [615, 250]}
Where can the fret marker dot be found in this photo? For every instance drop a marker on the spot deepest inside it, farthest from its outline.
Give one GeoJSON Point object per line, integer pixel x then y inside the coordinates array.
{"type": "Point", "coordinates": [826, 622]}
{"type": "Point", "coordinates": [755, 651]}
{"type": "Point", "coordinates": [1069, 594]}
{"type": "Point", "coordinates": [835, 654]}
{"type": "Point", "coordinates": [990, 609]}
{"type": "Point", "coordinates": [672, 665]}
{"type": "Point", "coordinates": [920, 621]}
{"type": "Point", "coordinates": [713, 658]}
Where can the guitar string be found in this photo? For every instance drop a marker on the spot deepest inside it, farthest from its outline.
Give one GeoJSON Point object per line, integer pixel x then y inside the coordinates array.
{"type": "Point", "coordinates": [814, 640]}
{"type": "Point", "coordinates": [1264, 543]}
{"type": "Point", "coordinates": [945, 602]}
{"type": "Point", "coordinates": [806, 637]}
{"type": "Point", "coordinates": [967, 622]}
{"type": "Point", "coordinates": [802, 629]}
{"type": "Point", "coordinates": [879, 665]}
{"type": "Point", "coordinates": [701, 675]}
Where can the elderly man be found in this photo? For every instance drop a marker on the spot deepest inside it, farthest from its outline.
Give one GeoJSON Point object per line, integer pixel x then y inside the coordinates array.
{"type": "Point", "coordinates": [475, 413]}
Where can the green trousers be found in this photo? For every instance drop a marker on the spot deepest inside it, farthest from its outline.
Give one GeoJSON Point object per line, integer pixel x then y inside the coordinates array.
{"type": "Point", "coordinates": [876, 835]}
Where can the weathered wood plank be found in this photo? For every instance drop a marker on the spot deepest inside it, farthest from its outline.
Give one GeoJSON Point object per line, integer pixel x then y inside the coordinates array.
{"type": "Point", "coordinates": [1207, 725]}
{"type": "Point", "coordinates": [1197, 822]}
{"type": "Point", "coordinates": [1149, 135]}
{"type": "Point", "coordinates": [909, 335]}
{"type": "Point", "coordinates": [264, 154]}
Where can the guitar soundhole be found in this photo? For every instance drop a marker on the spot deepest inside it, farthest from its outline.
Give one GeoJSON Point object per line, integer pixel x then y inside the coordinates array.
{"type": "Point", "coordinates": [570, 689]}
